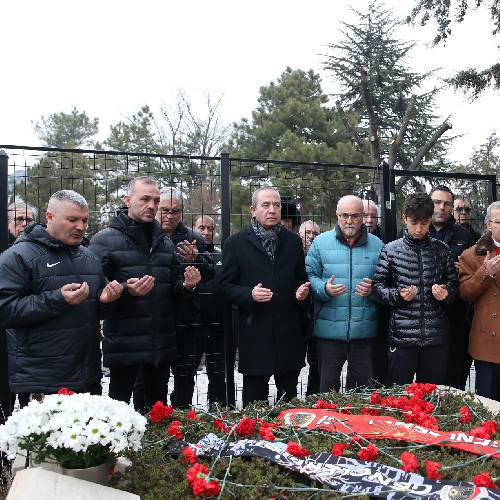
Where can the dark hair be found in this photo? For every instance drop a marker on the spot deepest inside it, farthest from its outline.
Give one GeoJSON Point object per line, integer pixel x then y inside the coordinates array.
{"type": "Point", "coordinates": [446, 189]}
{"type": "Point", "coordinates": [289, 210]}
{"type": "Point", "coordinates": [418, 206]}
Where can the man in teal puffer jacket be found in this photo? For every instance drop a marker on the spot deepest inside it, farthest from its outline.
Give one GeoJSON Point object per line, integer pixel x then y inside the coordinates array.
{"type": "Point", "coordinates": [340, 265]}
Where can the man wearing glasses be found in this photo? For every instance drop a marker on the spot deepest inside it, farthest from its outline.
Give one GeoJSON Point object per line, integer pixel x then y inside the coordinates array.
{"type": "Point", "coordinates": [458, 239]}
{"type": "Point", "coordinates": [340, 265]}
{"type": "Point", "coordinates": [19, 216]}
{"type": "Point", "coordinates": [480, 283]}
{"type": "Point", "coordinates": [461, 213]}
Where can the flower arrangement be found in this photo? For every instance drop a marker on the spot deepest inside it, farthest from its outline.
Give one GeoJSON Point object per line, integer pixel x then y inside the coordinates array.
{"type": "Point", "coordinates": [75, 431]}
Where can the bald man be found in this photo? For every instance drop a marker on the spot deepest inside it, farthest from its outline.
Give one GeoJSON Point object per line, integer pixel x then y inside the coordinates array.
{"type": "Point", "coordinates": [340, 265]}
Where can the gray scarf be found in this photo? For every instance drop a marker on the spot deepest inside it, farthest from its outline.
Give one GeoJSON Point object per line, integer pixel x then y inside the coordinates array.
{"type": "Point", "coordinates": [268, 237]}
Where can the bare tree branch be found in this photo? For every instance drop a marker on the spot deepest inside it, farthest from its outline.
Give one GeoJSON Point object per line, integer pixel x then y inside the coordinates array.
{"type": "Point", "coordinates": [372, 119]}
{"type": "Point", "coordinates": [396, 144]}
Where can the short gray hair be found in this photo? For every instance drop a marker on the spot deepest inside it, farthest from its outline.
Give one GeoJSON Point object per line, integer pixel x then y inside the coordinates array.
{"type": "Point", "coordinates": [256, 193]}
{"type": "Point", "coordinates": [69, 196]}
{"type": "Point", "coordinates": [303, 225]}
{"type": "Point", "coordinates": [494, 206]}
{"type": "Point", "coordinates": [369, 203]}
{"type": "Point", "coordinates": [20, 206]}
{"type": "Point", "coordinates": [170, 193]}
{"type": "Point", "coordinates": [145, 179]}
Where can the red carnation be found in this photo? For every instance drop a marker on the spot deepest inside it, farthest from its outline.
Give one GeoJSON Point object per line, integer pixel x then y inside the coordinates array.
{"type": "Point", "coordinates": [465, 415]}
{"type": "Point", "coordinates": [246, 427]}
{"type": "Point", "coordinates": [188, 455]}
{"type": "Point", "coordinates": [368, 453]}
{"type": "Point", "coordinates": [220, 425]}
{"type": "Point", "coordinates": [266, 432]}
{"type": "Point", "coordinates": [194, 472]}
{"type": "Point", "coordinates": [212, 488]}
{"type": "Point", "coordinates": [338, 449]}
{"type": "Point", "coordinates": [191, 415]}
{"type": "Point", "coordinates": [431, 469]}
{"type": "Point", "coordinates": [369, 411]}
{"type": "Point", "coordinates": [296, 450]}
{"type": "Point", "coordinates": [420, 390]}
{"type": "Point", "coordinates": [410, 462]}
{"type": "Point", "coordinates": [196, 476]}
{"type": "Point", "coordinates": [174, 429]}
{"type": "Point", "coordinates": [485, 430]}
{"type": "Point", "coordinates": [375, 398]}
{"type": "Point", "coordinates": [484, 479]}
{"type": "Point", "coordinates": [65, 391]}
{"type": "Point", "coordinates": [324, 405]}
{"type": "Point", "coordinates": [491, 426]}
{"type": "Point", "coordinates": [160, 412]}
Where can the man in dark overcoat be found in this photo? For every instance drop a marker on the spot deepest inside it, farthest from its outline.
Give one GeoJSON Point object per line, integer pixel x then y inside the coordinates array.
{"type": "Point", "coordinates": [263, 273]}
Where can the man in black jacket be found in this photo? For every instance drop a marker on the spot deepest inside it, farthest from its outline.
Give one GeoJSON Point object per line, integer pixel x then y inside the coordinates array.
{"type": "Point", "coordinates": [51, 295]}
{"type": "Point", "coordinates": [415, 277]}
{"type": "Point", "coordinates": [191, 250]}
{"type": "Point", "coordinates": [263, 273]}
{"type": "Point", "coordinates": [458, 239]}
{"type": "Point", "coordinates": [141, 332]}
{"type": "Point", "coordinates": [461, 213]}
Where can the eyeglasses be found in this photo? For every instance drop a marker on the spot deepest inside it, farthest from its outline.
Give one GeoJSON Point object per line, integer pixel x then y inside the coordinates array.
{"type": "Point", "coordinates": [20, 219]}
{"type": "Point", "coordinates": [463, 209]}
{"type": "Point", "coordinates": [344, 216]}
{"type": "Point", "coordinates": [171, 211]}
{"type": "Point", "coordinates": [445, 203]}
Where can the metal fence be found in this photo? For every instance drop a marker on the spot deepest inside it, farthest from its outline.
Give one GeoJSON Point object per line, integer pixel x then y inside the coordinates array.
{"type": "Point", "coordinates": [217, 186]}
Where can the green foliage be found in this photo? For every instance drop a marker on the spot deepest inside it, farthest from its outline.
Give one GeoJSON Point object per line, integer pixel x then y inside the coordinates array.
{"type": "Point", "coordinates": [370, 44]}
{"type": "Point", "coordinates": [156, 475]}
{"type": "Point", "coordinates": [469, 80]}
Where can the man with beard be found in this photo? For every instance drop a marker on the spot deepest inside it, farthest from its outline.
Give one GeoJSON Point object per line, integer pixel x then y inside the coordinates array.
{"type": "Point", "coordinates": [52, 292]}
{"type": "Point", "coordinates": [140, 335]}
{"type": "Point", "coordinates": [340, 265]}
{"type": "Point", "coordinates": [458, 239]}
{"type": "Point", "coordinates": [263, 274]}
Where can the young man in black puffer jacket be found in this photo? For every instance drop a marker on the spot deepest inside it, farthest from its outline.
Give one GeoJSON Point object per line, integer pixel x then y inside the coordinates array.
{"type": "Point", "coordinates": [416, 278]}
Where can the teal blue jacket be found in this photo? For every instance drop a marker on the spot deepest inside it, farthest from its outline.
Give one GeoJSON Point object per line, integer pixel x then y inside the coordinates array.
{"type": "Point", "coordinates": [347, 316]}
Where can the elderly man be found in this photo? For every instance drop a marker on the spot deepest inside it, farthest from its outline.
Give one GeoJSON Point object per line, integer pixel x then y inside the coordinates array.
{"type": "Point", "coordinates": [480, 283]}
{"type": "Point", "coordinates": [51, 294]}
{"type": "Point", "coordinates": [263, 273]}
{"type": "Point", "coordinates": [140, 335]}
{"type": "Point", "coordinates": [191, 250]}
{"type": "Point", "coordinates": [308, 230]}
{"type": "Point", "coordinates": [19, 216]}
{"type": "Point", "coordinates": [458, 239]}
{"type": "Point", "coordinates": [340, 265]}
{"type": "Point", "coordinates": [370, 218]}
{"type": "Point", "coordinates": [461, 213]}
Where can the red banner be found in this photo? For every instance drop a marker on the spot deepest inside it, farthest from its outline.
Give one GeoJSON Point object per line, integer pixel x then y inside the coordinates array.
{"type": "Point", "coordinates": [381, 427]}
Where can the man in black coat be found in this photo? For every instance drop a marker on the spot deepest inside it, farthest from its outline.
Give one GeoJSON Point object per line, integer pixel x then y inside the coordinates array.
{"type": "Point", "coordinates": [141, 332]}
{"type": "Point", "coordinates": [52, 292]}
{"type": "Point", "coordinates": [263, 273]}
{"type": "Point", "coordinates": [458, 239]}
{"type": "Point", "coordinates": [191, 251]}
{"type": "Point", "coordinates": [461, 214]}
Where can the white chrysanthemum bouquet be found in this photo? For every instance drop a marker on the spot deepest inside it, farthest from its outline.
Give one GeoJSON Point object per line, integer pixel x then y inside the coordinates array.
{"type": "Point", "coordinates": [73, 430]}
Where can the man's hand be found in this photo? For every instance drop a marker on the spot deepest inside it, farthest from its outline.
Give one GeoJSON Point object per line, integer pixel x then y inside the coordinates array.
{"type": "Point", "coordinates": [261, 294]}
{"type": "Point", "coordinates": [74, 293]}
{"type": "Point", "coordinates": [334, 290]}
{"type": "Point", "coordinates": [191, 277]}
{"type": "Point", "coordinates": [140, 286]}
{"type": "Point", "coordinates": [408, 293]}
{"type": "Point", "coordinates": [303, 291]}
{"type": "Point", "coordinates": [364, 287]}
{"type": "Point", "coordinates": [492, 265]}
{"type": "Point", "coordinates": [111, 292]}
{"type": "Point", "coordinates": [440, 292]}
{"type": "Point", "coordinates": [187, 251]}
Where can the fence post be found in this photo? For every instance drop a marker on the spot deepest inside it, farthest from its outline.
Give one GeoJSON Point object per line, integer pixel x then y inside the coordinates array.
{"type": "Point", "coordinates": [492, 188]}
{"type": "Point", "coordinates": [387, 203]}
{"type": "Point", "coordinates": [225, 197]}
{"type": "Point", "coordinates": [4, 197]}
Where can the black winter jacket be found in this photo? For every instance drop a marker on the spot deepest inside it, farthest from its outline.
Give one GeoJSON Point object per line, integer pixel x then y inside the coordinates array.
{"type": "Point", "coordinates": [407, 261]}
{"type": "Point", "coordinates": [51, 343]}
{"type": "Point", "coordinates": [457, 237]}
{"type": "Point", "coordinates": [141, 329]}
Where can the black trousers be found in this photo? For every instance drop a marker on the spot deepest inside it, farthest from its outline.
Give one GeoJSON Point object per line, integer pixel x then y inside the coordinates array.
{"type": "Point", "coordinates": [312, 361]}
{"type": "Point", "coordinates": [155, 379]}
{"type": "Point", "coordinates": [191, 345]}
{"type": "Point", "coordinates": [332, 354]}
{"type": "Point", "coordinates": [488, 379]}
{"type": "Point", "coordinates": [256, 387]}
{"type": "Point", "coordinates": [428, 364]}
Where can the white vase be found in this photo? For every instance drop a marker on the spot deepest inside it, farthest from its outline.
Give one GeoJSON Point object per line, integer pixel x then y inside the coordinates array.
{"type": "Point", "coordinates": [97, 474]}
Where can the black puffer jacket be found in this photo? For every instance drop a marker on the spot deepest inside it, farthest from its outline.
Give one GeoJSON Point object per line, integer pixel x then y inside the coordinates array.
{"type": "Point", "coordinates": [51, 343]}
{"type": "Point", "coordinates": [141, 329]}
{"type": "Point", "coordinates": [423, 263]}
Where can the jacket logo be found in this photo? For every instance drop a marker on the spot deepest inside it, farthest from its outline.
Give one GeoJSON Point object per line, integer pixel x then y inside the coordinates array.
{"type": "Point", "coordinates": [52, 265]}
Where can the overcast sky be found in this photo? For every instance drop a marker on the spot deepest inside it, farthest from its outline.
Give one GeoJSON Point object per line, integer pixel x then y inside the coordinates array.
{"type": "Point", "coordinates": [110, 57]}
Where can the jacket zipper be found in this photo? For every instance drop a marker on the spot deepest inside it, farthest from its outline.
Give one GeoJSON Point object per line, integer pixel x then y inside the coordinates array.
{"type": "Point", "coordinates": [422, 308]}
{"type": "Point", "coordinates": [350, 296]}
